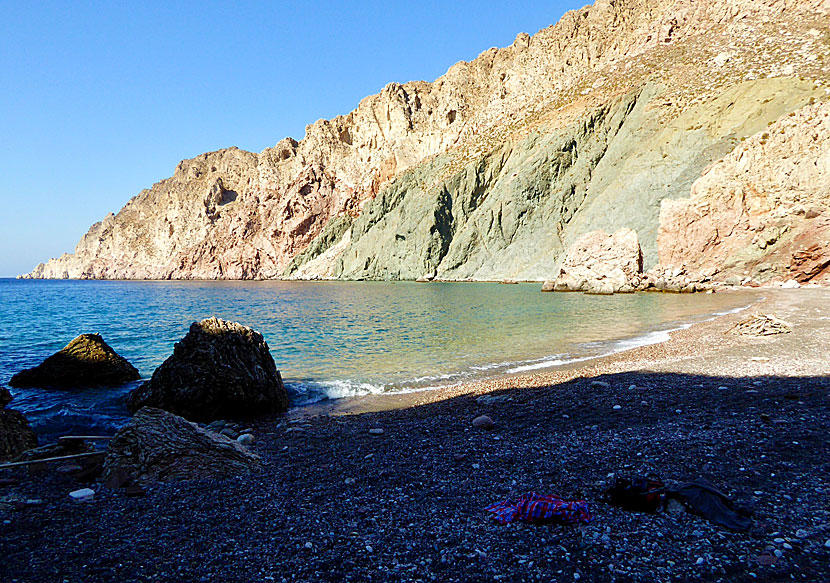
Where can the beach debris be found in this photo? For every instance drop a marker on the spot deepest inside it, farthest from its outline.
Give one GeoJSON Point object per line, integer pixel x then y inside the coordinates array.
{"type": "Point", "coordinates": [537, 508]}
{"type": "Point", "coordinates": [761, 325]}
{"type": "Point", "coordinates": [159, 446]}
{"type": "Point", "coordinates": [641, 494]}
{"type": "Point", "coordinates": [82, 495]}
{"type": "Point", "coordinates": [376, 431]}
{"type": "Point", "coordinates": [219, 370]}
{"type": "Point", "coordinates": [484, 422]}
{"type": "Point", "coordinates": [702, 498]}
{"type": "Point", "coordinates": [87, 361]}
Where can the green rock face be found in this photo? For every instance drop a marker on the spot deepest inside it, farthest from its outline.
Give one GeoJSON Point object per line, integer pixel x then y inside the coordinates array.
{"type": "Point", "coordinates": [512, 212]}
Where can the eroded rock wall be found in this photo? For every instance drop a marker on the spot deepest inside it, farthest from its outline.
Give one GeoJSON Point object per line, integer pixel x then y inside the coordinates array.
{"type": "Point", "coordinates": [763, 211]}
{"type": "Point", "coordinates": [600, 117]}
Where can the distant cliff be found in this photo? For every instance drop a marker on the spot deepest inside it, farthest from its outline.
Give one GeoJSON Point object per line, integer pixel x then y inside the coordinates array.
{"type": "Point", "coordinates": [495, 168]}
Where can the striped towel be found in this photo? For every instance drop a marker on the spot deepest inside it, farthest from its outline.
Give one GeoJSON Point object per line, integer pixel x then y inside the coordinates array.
{"type": "Point", "coordinates": [538, 508]}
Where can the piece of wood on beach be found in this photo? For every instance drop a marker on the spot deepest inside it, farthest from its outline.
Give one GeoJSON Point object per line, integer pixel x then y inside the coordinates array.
{"type": "Point", "coordinates": [84, 438]}
{"type": "Point", "coordinates": [761, 325]}
{"type": "Point", "coordinates": [61, 458]}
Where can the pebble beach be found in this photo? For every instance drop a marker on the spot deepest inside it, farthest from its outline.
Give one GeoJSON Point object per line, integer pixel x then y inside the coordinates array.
{"type": "Point", "coordinates": [393, 487]}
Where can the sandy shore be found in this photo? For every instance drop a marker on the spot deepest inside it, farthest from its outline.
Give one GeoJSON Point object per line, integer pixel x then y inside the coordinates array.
{"type": "Point", "coordinates": [335, 502]}
{"type": "Point", "coordinates": [706, 348]}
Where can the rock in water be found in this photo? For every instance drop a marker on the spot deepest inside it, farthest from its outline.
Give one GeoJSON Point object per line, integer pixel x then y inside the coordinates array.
{"type": "Point", "coordinates": [87, 361]}
{"type": "Point", "coordinates": [601, 264]}
{"type": "Point", "coordinates": [219, 370]}
{"type": "Point", "coordinates": [157, 446]}
{"type": "Point", "coordinates": [5, 397]}
{"type": "Point", "coordinates": [15, 434]}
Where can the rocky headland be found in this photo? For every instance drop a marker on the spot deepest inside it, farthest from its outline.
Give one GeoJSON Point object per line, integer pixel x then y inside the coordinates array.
{"type": "Point", "coordinates": [701, 126]}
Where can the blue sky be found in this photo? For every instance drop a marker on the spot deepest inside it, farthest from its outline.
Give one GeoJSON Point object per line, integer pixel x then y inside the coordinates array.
{"type": "Point", "coordinates": [101, 100]}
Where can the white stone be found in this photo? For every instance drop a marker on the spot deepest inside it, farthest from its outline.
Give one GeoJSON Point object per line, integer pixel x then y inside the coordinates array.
{"type": "Point", "coordinates": [82, 495]}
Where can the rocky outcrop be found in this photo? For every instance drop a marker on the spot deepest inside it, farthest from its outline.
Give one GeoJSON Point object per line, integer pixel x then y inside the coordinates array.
{"type": "Point", "coordinates": [87, 361]}
{"type": "Point", "coordinates": [493, 170]}
{"type": "Point", "coordinates": [157, 446]}
{"type": "Point", "coordinates": [16, 436]}
{"type": "Point", "coordinates": [601, 263]}
{"type": "Point", "coordinates": [762, 211]}
{"type": "Point", "coordinates": [219, 370]}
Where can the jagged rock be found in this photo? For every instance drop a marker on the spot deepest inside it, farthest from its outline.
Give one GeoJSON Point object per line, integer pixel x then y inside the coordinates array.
{"type": "Point", "coordinates": [87, 361]}
{"type": "Point", "coordinates": [761, 209]}
{"type": "Point", "coordinates": [219, 370]}
{"type": "Point", "coordinates": [598, 263]}
{"type": "Point", "coordinates": [16, 436]}
{"type": "Point", "coordinates": [157, 446]}
{"type": "Point", "coordinates": [490, 171]}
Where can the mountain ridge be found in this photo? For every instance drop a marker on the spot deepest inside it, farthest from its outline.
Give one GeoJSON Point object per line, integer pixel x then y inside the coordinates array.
{"type": "Point", "coordinates": [232, 214]}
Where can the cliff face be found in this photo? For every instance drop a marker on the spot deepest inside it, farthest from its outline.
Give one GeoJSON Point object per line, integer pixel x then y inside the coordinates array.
{"type": "Point", "coordinates": [495, 168]}
{"type": "Point", "coordinates": [763, 211]}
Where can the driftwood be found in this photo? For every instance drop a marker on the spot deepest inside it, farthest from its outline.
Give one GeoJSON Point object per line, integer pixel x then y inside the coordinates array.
{"type": "Point", "coordinates": [761, 325]}
{"type": "Point", "coordinates": [61, 458]}
{"type": "Point", "coordinates": [84, 438]}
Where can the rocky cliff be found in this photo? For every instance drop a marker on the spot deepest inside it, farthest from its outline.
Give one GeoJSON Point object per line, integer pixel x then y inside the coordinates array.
{"type": "Point", "coordinates": [494, 169]}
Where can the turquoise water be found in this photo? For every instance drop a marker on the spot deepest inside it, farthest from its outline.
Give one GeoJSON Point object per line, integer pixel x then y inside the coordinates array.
{"type": "Point", "coordinates": [328, 339]}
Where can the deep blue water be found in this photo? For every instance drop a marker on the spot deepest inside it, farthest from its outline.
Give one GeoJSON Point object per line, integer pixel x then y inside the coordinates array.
{"type": "Point", "coordinates": [328, 339]}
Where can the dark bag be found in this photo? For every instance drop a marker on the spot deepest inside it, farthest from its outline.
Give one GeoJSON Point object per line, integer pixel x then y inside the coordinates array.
{"type": "Point", "coordinates": [636, 493]}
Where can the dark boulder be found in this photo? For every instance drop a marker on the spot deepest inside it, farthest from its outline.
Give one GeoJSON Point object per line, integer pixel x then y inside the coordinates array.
{"type": "Point", "coordinates": [219, 370]}
{"type": "Point", "coordinates": [87, 361]}
{"type": "Point", "coordinates": [15, 434]}
{"type": "Point", "coordinates": [157, 446]}
{"type": "Point", "coordinates": [5, 397]}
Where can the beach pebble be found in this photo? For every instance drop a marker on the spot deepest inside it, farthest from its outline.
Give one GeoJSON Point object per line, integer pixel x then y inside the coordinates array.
{"type": "Point", "coordinates": [349, 481]}
{"type": "Point", "coordinates": [483, 422]}
{"type": "Point", "coordinates": [82, 495]}
{"type": "Point", "coordinates": [801, 533]}
{"type": "Point", "coordinates": [577, 576]}
{"type": "Point", "coordinates": [376, 431]}
{"type": "Point", "coordinates": [632, 387]}
{"type": "Point", "coordinates": [675, 507]}
{"type": "Point", "coordinates": [778, 553]}
{"type": "Point", "coordinates": [778, 540]}
{"type": "Point", "coordinates": [309, 545]}
{"type": "Point", "coordinates": [722, 388]}
{"type": "Point", "coordinates": [601, 384]}
{"type": "Point", "coordinates": [245, 439]}
{"type": "Point", "coordinates": [787, 546]}
{"type": "Point", "coordinates": [827, 544]}
{"type": "Point", "coordinates": [617, 407]}
{"type": "Point", "coordinates": [700, 561]}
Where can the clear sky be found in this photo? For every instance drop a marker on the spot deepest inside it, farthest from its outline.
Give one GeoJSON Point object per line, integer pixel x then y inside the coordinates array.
{"type": "Point", "coordinates": [99, 100]}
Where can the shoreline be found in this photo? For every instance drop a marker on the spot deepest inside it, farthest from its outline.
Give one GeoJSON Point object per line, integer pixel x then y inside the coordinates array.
{"type": "Point", "coordinates": [336, 500]}
{"type": "Point", "coordinates": [684, 350]}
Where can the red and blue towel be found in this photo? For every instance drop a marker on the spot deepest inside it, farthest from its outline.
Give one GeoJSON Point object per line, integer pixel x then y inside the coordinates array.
{"type": "Point", "coordinates": [538, 508]}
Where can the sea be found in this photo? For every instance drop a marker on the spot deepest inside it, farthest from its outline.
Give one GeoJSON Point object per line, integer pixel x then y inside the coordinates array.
{"type": "Point", "coordinates": [330, 340]}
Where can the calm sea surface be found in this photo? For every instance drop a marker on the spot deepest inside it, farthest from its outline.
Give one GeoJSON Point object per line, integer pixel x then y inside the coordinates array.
{"type": "Point", "coordinates": [329, 339]}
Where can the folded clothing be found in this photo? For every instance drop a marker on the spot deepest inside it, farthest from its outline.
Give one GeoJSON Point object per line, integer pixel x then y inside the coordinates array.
{"type": "Point", "coordinates": [539, 508]}
{"type": "Point", "coordinates": [704, 499]}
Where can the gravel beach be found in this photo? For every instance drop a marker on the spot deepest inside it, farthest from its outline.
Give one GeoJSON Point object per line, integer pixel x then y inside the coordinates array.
{"type": "Point", "coordinates": [339, 502]}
